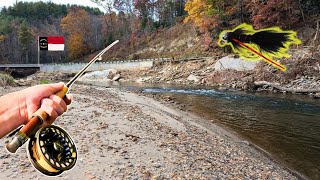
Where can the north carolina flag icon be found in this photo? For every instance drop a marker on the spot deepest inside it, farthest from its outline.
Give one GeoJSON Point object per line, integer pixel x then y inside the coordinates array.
{"type": "Point", "coordinates": [55, 43]}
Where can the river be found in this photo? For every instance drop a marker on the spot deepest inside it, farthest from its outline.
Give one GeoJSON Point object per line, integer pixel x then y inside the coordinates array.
{"type": "Point", "coordinates": [284, 125]}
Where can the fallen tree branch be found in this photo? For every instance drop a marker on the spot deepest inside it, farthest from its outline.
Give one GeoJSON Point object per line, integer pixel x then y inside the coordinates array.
{"type": "Point", "coordinates": [276, 86]}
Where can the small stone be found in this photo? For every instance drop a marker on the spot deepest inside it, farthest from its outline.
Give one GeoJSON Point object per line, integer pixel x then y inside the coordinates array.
{"type": "Point", "coordinates": [116, 77]}
{"type": "Point", "coordinates": [156, 165]}
{"type": "Point", "coordinates": [157, 177]}
{"type": "Point", "coordinates": [89, 176]}
{"type": "Point", "coordinates": [245, 142]}
{"type": "Point", "coordinates": [193, 78]}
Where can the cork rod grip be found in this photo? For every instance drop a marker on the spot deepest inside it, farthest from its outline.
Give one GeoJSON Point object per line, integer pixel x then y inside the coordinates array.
{"type": "Point", "coordinates": [32, 126]}
{"type": "Point", "coordinates": [40, 115]}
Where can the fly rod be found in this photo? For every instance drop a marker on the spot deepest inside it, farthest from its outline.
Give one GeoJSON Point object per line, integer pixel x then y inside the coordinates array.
{"type": "Point", "coordinates": [40, 116]}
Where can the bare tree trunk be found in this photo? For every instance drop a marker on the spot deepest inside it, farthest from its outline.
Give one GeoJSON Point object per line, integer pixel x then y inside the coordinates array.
{"type": "Point", "coordinates": [301, 10]}
{"type": "Point", "coordinates": [27, 57]}
{"type": "Point", "coordinates": [2, 56]}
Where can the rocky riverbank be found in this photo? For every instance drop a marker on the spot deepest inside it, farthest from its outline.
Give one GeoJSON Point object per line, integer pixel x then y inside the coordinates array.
{"type": "Point", "coordinates": [303, 77]}
{"type": "Point", "coordinates": [226, 73]}
{"type": "Point", "coordinates": [123, 135]}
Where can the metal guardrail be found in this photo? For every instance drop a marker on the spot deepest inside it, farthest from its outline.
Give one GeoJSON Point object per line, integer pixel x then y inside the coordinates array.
{"type": "Point", "coordinates": [106, 62]}
{"type": "Point", "coordinates": [20, 66]}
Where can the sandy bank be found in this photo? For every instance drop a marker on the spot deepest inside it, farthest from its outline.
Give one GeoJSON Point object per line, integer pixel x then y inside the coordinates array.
{"type": "Point", "coordinates": [123, 135]}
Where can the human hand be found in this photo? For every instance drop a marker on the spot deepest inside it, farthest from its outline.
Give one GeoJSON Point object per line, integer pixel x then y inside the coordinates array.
{"type": "Point", "coordinates": [42, 96]}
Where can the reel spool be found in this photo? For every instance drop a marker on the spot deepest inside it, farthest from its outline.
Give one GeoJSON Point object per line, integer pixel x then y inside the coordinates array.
{"type": "Point", "coordinates": [52, 151]}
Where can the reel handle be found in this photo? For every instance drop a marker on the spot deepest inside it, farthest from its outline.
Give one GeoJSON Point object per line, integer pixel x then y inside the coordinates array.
{"type": "Point", "coordinates": [32, 126]}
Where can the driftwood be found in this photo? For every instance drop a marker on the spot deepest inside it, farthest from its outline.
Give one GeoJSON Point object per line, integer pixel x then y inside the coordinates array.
{"type": "Point", "coordinates": [276, 86]}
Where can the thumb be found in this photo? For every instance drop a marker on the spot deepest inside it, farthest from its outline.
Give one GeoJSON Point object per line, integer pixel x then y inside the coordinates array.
{"type": "Point", "coordinates": [49, 89]}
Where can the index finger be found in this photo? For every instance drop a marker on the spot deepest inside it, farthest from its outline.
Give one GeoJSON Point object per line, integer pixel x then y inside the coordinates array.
{"type": "Point", "coordinates": [68, 99]}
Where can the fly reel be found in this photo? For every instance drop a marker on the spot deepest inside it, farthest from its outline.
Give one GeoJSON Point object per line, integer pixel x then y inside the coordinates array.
{"type": "Point", "coordinates": [52, 151]}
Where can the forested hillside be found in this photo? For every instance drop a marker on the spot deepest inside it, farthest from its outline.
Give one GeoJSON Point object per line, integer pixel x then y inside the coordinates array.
{"type": "Point", "coordinates": [140, 24]}
{"type": "Point", "coordinates": [21, 25]}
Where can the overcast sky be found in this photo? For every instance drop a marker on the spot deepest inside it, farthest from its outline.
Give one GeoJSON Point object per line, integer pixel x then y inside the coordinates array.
{"type": "Point", "coordinates": [8, 3]}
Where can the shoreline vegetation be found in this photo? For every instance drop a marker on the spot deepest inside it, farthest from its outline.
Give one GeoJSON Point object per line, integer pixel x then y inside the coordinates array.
{"type": "Point", "coordinates": [135, 136]}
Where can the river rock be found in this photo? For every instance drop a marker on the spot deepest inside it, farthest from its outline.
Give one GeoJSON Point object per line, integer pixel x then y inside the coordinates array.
{"type": "Point", "coordinates": [157, 78]}
{"type": "Point", "coordinates": [30, 78]}
{"type": "Point", "coordinates": [96, 75]}
{"type": "Point", "coordinates": [194, 78]}
{"type": "Point", "coordinates": [116, 77]}
{"type": "Point", "coordinates": [143, 79]}
{"type": "Point", "coordinates": [306, 32]}
{"type": "Point", "coordinates": [237, 64]}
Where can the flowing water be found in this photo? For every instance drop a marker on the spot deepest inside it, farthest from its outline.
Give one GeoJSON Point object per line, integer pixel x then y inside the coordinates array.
{"type": "Point", "coordinates": [286, 126]}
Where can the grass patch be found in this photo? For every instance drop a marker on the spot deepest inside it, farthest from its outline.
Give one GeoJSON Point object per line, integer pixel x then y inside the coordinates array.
{"type": "Point", "coordinates": [45, 81]}
{"type": "Point", "coordinates": [6, 80]}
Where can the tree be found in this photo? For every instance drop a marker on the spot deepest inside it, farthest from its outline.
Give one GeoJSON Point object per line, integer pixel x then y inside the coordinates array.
{"type": "Point", "coordinates": [166, 12]}
{"type": "Point", "coordinates": [5, 25]}
{"type": "Point", "coordinates": [77, 25]}
{"type": "Point", "coordinates": [42, 19]}
{"type": "Point", "coordinates": [309, 7]}
{"type": "Point", "coordinates": [2, 39]}
{"type": "Point", "coordinates": [125, 6]}
{"type": "Point", "coordinates": [143, 9]}
{"type": "Point", "coordinates": [25, 38]}
{"type": "Point", "coordinates": [106, 4]}
{"type": "Point", "coordinates": [214, 15]}
{"type": "Point", "coordinates": [202, 13]}
{"type": "Point", "coordinates": [284, 13]}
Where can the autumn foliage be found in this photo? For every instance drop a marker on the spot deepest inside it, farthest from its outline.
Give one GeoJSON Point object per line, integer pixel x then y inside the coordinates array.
{"type": "Point", "coordinates": [77, 26]}
{"type": "Point", "coordinates": [136, 22]}
{"type": "Point", "coordinates": [200, 12]}
{"type": "Point", "coordinates": [283, 13]}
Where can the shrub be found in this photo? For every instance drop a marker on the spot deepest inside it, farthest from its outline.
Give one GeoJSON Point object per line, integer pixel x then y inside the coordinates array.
{"type": "Point", "coordinates": [6, 79]}
{"type": "Point", "coordinates": [45, 81]}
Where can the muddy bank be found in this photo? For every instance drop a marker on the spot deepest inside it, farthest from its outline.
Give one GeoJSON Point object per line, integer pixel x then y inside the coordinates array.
{"type": "Point", "coordinates": [124, 135]}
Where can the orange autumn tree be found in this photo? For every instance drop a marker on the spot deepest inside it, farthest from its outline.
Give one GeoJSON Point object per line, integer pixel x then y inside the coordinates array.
{"type": "Point", "coordinates": [203, 13]}
{"type": "Point", "coordinates": [210, 15]}
{"type": "Point", "coordinates": [197, 10]}
{"type": "Point", "coordinates": [2, 38]}
{"type": "Point", "coordinates": [77, 26]}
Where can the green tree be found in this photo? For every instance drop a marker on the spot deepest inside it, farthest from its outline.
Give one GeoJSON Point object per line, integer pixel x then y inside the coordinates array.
{"type": "Point", "coordinates": [5, 25]}
{"type": "Point", "coordinates": [25, 39]}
